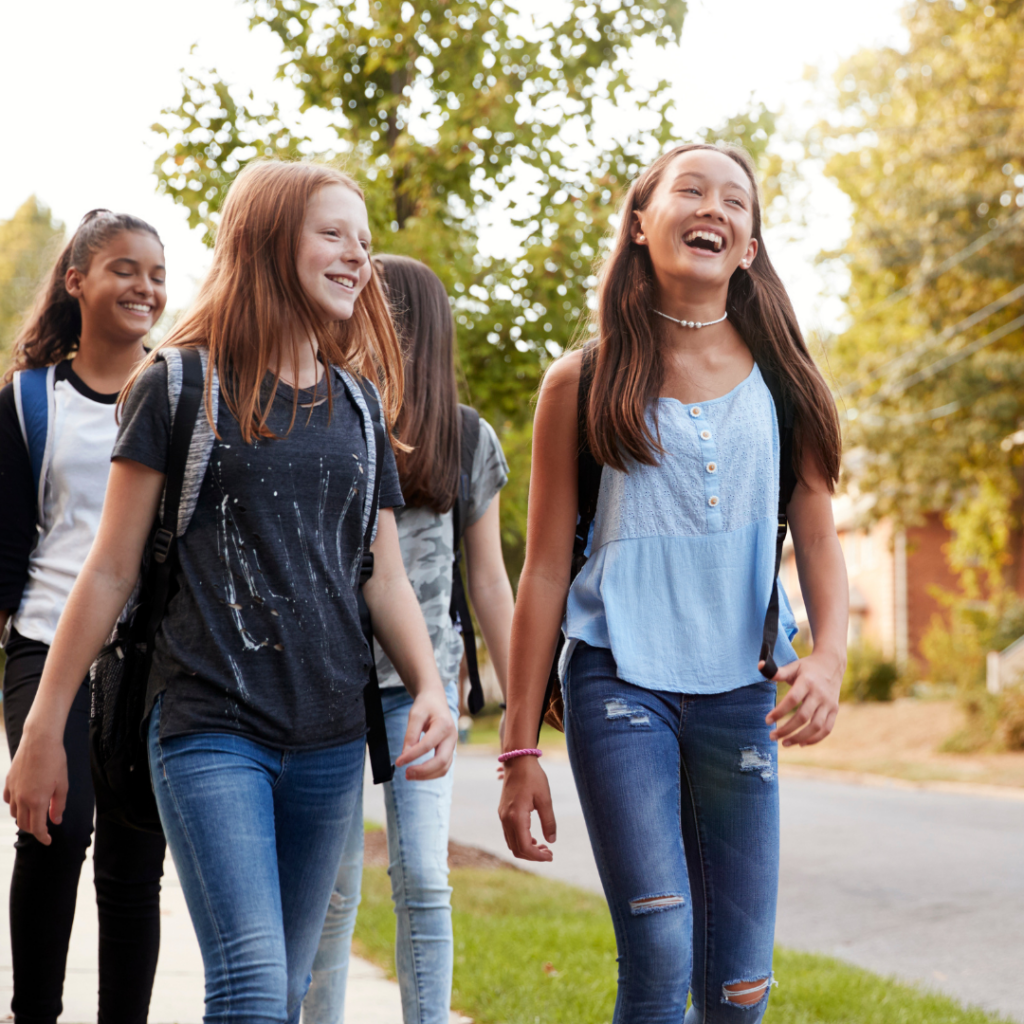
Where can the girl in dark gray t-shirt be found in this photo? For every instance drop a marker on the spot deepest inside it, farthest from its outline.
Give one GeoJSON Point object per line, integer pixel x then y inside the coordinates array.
{"type": "Point", "coordinates": [256, 733]}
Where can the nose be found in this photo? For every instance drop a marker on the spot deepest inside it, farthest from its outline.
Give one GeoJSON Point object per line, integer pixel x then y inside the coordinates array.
{"type": "Point", "coordinates": [711, 207]}
{"type": "Point", "coordinates": [355, 254]}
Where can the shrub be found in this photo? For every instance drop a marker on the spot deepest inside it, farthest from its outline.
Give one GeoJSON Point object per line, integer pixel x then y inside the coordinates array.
{"type": "Point", "coordinates": [869, 675]}
{"type": "Point", "coordinates": [1011, 718]}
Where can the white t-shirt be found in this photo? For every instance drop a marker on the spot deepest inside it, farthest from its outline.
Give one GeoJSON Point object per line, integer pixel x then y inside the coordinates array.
{"type": "Point", "coordinates": [84, 430]}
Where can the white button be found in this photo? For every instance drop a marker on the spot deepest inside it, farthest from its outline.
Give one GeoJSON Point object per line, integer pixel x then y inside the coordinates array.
{"type": "Point", "coordinates": [712, 467]}
{"type": "Point", "coordinates": [705, 435]}
{"type": "Point", "coordinates": [712, 502]}
{"type": "Point", "coordinates": [695, 411]}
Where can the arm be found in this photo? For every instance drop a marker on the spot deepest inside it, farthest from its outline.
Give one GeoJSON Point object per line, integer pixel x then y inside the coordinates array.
{"type": "Point", "coordinates": [38, 776]}
{"type": "Point", "coordinates": [489, 588]}
{"type": "Point", "coordinates": [399, 628]}
{"type": "Point", "coordinates": [815, 680]}
{"type": "Point", "coordinates": [543, 587]}
{"type": "Point", "coordinates": [18, 520]}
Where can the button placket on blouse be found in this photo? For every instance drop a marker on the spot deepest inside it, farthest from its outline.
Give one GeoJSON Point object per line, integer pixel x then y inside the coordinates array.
{"type": "Point", "coordinates": [709, 456]}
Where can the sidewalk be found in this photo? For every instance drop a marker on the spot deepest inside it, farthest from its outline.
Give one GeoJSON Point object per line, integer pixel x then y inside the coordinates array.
{"type": "Point", "coordinates": [178, 991]}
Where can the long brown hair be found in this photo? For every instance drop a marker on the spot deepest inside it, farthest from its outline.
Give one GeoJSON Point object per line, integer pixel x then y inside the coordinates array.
{"type": "Point", "coordinates": [252, 298]}
{"type": "Point", "coordinates": [53, 328]}
{"type": "Point", "coordinates": [429, 420]}
{"type": "Point", "coordinates": [629, 372]}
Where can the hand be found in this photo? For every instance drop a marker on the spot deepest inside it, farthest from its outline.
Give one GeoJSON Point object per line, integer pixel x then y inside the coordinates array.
{"type": "Point", "coordinates": [526, 790]}
{"type": "Point", "coordinates": [37, 783]}
{"type": "Point", "coordinates": [813, 699]}
{"type": "Point", "coordinates": [430, 728]}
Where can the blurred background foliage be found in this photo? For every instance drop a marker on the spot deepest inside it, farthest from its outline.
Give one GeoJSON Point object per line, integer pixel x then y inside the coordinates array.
{"type": "Point", "coordinates": [29, 243]}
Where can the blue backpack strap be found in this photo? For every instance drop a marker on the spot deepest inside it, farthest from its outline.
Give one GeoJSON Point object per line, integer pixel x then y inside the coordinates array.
{"type": "Point", "coordinates": [33, 404]}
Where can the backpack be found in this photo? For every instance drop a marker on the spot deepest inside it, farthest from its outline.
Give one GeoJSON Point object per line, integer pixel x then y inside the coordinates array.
{"type": "Point", "coordinates": [469, 435]}
{"type": "Point", "coordinates": [588, 480]}
{"type": "Point", "coordinates": [120, 674]}
{"type": "Point", "coordinates": [34, 402]}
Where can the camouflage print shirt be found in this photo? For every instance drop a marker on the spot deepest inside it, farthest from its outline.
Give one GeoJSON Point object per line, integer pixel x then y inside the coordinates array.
{"type": "Point", "coordinates": [426, 541]}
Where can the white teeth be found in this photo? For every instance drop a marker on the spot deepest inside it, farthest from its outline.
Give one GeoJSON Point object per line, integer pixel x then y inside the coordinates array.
{"type": "Point", "coordinates": [348, 282]}
{"type": "Point", "coordinates": [708, 236]}
{"type": "Point", "coordinates": [137, 306]}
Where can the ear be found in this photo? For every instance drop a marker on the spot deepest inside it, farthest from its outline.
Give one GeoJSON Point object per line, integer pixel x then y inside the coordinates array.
{"type": "Point", "coordinates": [636, 230]}
{"type": "Point", "coordinates": [751, 252]}
{"type": "Point", "coordinates": [73, 282]}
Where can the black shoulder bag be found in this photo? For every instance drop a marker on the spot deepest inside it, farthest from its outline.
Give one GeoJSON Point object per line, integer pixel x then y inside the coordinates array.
{"type": "Point", "coordinates": [588, 478]}
{"type": "Point", "coordinates": [120, 675]}
{"type": "Point", "coordinates": [469, 438]}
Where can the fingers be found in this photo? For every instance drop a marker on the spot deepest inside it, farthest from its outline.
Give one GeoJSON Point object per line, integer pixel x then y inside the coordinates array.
{"type": "Point", "coordinates": [525, 791]}
{"type": "Point", "coordinates": [438, 765]}
{"type": "Point", "coordinates": [33, 820]}
{"type": "Point", "coordinates": [413, 745]}
{"type": "Point", "coordinates": [546, 813]}
{"type": "Point", "coordinates": [788, 704]}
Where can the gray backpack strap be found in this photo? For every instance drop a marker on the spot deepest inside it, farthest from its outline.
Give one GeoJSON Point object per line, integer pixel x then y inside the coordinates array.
{"type": "Point", "coordinates": [356, 394]}
{"type": "Point", "coordinates": [201, 445]}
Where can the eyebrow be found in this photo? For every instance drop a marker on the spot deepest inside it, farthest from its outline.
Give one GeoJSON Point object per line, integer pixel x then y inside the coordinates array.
{"type": "Point", "coordinates": [704, 177]}
{"type": "Point", "coordinates": [135, 263]}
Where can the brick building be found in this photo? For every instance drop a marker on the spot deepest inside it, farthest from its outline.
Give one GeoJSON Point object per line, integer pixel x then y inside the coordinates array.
{"type": "Point", "coordinates": [891, 577]}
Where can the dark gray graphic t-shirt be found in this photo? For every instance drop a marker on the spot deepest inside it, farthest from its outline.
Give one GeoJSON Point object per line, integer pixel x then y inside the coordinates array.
{"type": "Point", "coordinates": [262, 637]}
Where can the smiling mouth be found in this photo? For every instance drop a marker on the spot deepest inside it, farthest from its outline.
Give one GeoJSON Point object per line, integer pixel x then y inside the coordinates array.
{"type": "Point", "coordinates": [707, 240]}
{"type": "Point", "coordinates": [136, 307]}
{"type": "Point", "coordinates": [343, 280]}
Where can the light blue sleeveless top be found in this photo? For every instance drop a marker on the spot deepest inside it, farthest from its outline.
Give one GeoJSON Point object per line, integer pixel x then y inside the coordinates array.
{"type": "Point", "coordinates": [682, 554]}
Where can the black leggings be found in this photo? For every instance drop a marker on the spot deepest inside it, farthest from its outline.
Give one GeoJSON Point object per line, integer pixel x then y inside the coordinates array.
{"type": "Point", "coordinates": [128, 865]}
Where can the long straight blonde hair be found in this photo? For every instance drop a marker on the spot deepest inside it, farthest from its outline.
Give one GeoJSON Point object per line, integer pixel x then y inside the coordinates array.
{"type": "Point", "coordinates": [252, 299]}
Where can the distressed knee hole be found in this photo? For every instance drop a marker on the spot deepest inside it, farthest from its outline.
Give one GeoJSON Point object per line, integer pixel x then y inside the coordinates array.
{"type": "Point", "coordinates": [752, 760]}
{"type": "Point", "coordinates": [652, 904]}
{"type": "Point", "coordinates": [615, 708]}
{"type": "Point", "coordinates": [747, 993]}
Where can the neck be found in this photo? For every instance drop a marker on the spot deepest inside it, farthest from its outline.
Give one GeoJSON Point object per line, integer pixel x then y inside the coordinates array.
{"type": "Point", "coordinates": [104, 363]}
{"type": "Point", "coordinates": [298, 365]}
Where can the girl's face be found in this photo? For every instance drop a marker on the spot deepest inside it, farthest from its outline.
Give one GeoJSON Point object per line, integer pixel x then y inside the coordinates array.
{"type": "Point", "coordinates": [123, 292]}
{"type": "Point", "coordinates": [333, 259]}
{"type": "Point", "coordinates": [698, 223]}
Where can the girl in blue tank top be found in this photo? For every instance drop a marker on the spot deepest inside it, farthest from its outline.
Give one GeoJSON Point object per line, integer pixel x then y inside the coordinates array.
{"type": "Point", "coordinates": [670, 715]}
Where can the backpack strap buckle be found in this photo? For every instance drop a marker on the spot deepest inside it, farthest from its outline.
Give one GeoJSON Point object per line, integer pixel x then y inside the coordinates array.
{"type": "Point", "coordinates": [163, 539]}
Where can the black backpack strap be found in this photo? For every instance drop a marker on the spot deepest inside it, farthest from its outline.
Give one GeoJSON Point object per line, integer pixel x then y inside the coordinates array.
{"type": "Point", "coordinates": [160, 570]}
{"type": "Point", "coordinates": [588, 487]}
{"type": "Point", "coordinates": [377, 733]}
{"type": "Point", "coordinates": [787, 484]}
{"type": "Point", "coordinates": [469, 438]}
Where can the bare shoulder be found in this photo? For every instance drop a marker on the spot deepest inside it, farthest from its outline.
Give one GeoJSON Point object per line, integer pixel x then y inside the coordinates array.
{"type": "Point", "coordinates": [563, 375]}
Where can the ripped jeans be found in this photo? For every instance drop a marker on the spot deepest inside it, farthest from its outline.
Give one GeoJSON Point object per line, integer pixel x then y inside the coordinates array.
{"type": "Point", "coordinates": [680, 796]}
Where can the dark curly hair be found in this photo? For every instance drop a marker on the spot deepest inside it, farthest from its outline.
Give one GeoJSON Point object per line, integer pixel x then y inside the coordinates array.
{"type": "Point", "coordinates": [51, 331]}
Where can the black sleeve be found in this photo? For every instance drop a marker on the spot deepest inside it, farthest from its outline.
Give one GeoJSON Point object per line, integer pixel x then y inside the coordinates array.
{"type": "Point", "coordinates": [145, 432]}
{"type": "Point", "coordinates": [390, 487]}
{"type": "Point", "coordinates": [18, 513]}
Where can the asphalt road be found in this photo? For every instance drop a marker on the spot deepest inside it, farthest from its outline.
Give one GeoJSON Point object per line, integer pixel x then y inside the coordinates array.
{"type": "Point", "coordinates": [924, 885]}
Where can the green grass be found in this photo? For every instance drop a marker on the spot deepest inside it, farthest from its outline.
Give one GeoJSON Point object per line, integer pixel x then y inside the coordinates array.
{"type": "Point", "coordinates": [532, 951]}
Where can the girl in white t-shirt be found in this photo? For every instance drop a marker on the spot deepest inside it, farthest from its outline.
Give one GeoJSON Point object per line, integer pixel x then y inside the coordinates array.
{"type": "Point", "coordinates": [57, 429]}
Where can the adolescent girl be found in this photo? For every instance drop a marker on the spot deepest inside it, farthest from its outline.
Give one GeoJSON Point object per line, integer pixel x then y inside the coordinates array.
{"type": "Point", "coordinates": [257, 728]}
{"type": "Point", "coordinates": [418, 813]}
{"type": "Point", "coordinates": [57, 430]}
{"type": "Point", "coordinates": [670, 724]}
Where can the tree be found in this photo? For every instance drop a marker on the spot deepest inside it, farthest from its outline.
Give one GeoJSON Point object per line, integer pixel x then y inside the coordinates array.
{"type": "Point", "coordinates": [927, 144]}
{"type": "Point", "coordinates": [29, 243]}
{"type": "Point", "coordinates": [448, 111]}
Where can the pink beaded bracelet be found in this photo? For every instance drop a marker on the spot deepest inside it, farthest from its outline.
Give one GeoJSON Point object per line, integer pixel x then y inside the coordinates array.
{"type": "Point", "coordinates": [532, 752]}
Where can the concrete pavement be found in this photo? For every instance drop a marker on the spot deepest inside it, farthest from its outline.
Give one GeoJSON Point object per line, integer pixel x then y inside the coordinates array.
{"type": "Point", "coordinates": [925, 885]}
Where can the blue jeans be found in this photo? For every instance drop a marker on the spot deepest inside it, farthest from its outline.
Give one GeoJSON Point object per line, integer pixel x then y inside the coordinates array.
{"type": "Point", "coordinates": [417, 818]}
{"type": "Point", "coordinates": [680, 796]}
{"type": "Point", "coordinates": [256, 836]}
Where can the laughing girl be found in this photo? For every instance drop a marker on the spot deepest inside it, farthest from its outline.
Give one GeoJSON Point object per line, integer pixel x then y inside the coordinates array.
{"type": "Point", "coordinates": [670, 663]}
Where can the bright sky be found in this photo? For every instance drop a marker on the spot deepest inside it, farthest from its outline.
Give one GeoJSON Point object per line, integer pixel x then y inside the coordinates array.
{"type": "Point", "coordinates": [81, 83]}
